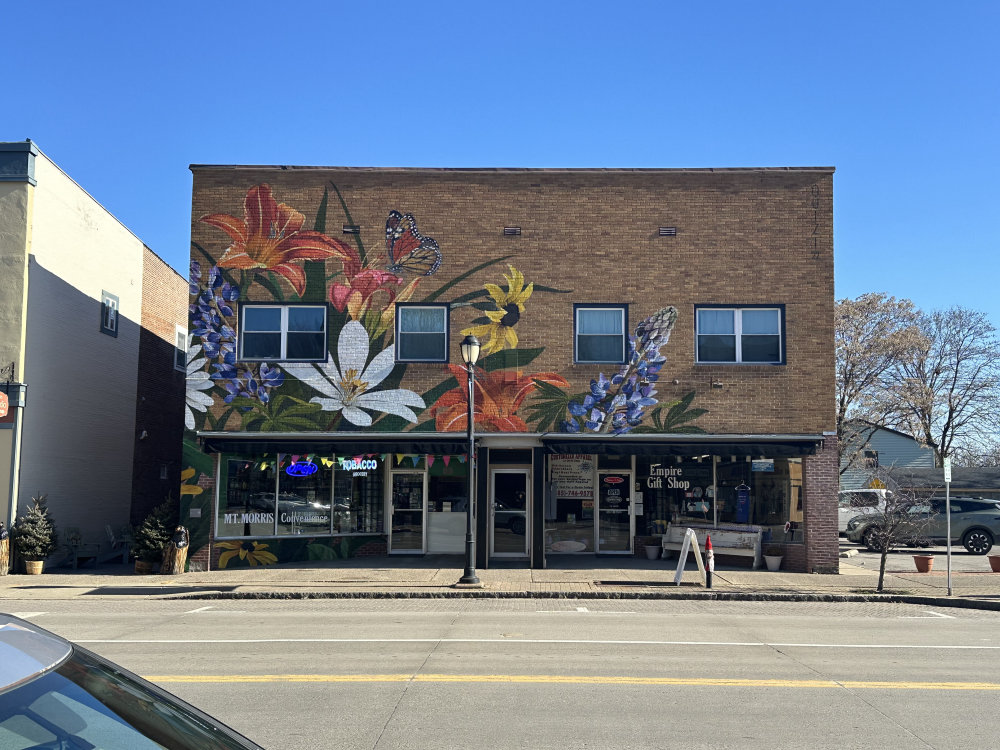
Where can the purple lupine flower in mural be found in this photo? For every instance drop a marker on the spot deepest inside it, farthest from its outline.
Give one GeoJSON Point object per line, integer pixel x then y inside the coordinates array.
{"type": "Point", "coordinates": [619, 404]}
{"type": "Point", "coordinates": [194, 277]}
{"type": "Point", "coordinates": [212, 323]}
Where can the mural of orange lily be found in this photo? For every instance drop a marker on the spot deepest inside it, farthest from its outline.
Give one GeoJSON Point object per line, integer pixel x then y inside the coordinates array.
{"type": "Point", "coordinates": [270, 237]}
{"type": "Point", "coordinates": [499, 394]}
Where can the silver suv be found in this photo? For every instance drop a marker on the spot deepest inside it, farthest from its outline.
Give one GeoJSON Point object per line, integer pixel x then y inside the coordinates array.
{"type": "Point", "coordinates": [975, 523]}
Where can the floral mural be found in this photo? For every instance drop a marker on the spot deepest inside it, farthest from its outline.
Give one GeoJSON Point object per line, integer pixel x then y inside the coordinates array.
{"type": "Point", "coordinates": [269, 256]}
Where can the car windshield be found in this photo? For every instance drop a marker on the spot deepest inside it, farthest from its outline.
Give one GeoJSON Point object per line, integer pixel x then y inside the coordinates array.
{"type": "Point", "coordinates": [85, 704]}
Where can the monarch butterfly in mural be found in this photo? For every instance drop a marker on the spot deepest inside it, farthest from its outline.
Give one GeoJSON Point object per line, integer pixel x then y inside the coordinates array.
{"type": "Point", "coordinates": [409, 250]}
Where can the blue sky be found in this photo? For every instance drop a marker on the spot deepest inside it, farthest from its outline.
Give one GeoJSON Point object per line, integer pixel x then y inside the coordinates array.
{"type": "Point", "coordinates": [901, 97]}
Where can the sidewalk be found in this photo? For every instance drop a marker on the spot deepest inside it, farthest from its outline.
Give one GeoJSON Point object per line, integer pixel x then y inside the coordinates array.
{"type": "Point", "coordinates": [436, 576]}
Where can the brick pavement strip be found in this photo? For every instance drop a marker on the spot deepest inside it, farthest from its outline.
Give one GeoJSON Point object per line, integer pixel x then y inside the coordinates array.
{"type": "Point", "coordinates": [854, 583]}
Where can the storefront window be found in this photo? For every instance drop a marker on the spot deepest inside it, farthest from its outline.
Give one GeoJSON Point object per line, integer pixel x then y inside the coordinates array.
{"type": "Point", "coordinates": [675, 489]}
{"type": "Point", "coordinates": [247, 506]}
{"type": "Point", "coordinates": [747, 491]}
{"type": "Point", "coordinates": [569, 511]}
{"type": "Point", "coordinates": [359, 495]}
{"type": "Point", "coordinates": [304, 491]}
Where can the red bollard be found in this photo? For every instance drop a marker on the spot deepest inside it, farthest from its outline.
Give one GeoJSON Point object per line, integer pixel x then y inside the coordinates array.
{"type": "Point", "coordinates": [709, 562]}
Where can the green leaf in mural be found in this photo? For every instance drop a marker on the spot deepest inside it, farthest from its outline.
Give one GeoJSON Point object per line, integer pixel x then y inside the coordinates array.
{"type": "Point", "coordinates": [441, 290]}
{"type": "Point", "coordinates": [281, 414]}
{"type": "Point", "coordinates": [510, 358]}
{"type": "Point", "coordinates": [548, 406]}
{"type": "Point", "coordinates": [429, 426]}
{"type": "Point", "coordinates": [552, 290]}
{"type": "Point", "coordinates": [468, 297]}
{"type": "Point", "coordinates": [673, 421]}
{"type": "Point", "coordinates": [270, 283]}
{"type": "Point", "coordinates": [315, 270]}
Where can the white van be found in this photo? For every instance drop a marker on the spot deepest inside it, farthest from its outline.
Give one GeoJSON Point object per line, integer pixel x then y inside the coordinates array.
{"type": "Point", "coordinates": [851, 503]}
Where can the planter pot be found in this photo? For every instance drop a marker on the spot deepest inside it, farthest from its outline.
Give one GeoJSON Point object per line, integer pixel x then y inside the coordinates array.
{"type": "Point", "coordinates": [143, 568]}
{"type": "Point", "coordinates": [994, 563]}
{"type": "Point", "coordinates": [924, 563]}
{"type": "Point", "coordinates": [652, 551]}
{"type": "Point", "coordinates": [773, 562]}
{"type": "Point", "coordinates": [34, 567]}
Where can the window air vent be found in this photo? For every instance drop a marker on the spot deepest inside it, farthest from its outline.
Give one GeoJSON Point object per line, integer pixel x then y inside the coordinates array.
{"type": "Point", "coordinates": [512, 231]}
{"type": "Point", "coordinates": [668, 231]}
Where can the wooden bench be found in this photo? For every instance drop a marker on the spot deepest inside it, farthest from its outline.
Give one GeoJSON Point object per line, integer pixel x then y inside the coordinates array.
{"type": "Point", "coordinates": [745, 541]}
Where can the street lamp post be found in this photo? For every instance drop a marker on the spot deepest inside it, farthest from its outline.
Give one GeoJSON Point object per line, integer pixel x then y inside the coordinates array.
{"type": "Point", "coordinates": [470, 353]}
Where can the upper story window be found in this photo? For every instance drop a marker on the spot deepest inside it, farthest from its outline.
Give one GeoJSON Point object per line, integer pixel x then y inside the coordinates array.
{"type": "Point", "coordinates": [109, 314]}
{"type": "Point", "coordinates": [740, 334]}
{"type": "Point", "coordinates": [283, 332]}
{"type": "Point", "coordinates": [421, 333]}
{"type": "Point", "coordinates": [599, 334]}
{"type": "Point", "coordinates": [180, 348]}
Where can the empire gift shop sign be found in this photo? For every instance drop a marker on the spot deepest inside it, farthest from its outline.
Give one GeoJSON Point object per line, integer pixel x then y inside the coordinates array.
{"type": "Point", "coordinates": [669, 477]}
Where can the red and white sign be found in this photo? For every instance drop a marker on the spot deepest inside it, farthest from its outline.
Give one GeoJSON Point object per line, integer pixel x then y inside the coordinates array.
{"type": "Point", "coordinates": [4, 404]}
{"type": "Point", "coordinates": [613, 480]}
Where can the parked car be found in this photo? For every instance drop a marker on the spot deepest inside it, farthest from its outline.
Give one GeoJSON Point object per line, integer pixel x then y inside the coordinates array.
{"type": "Point", "coordinates": [55, 695]}
{"type": "Point", "coordinates": [510, 513]}
{"type": "Point", "coordinates": [851, 503]}
{"type": "Point", "coordinates": [975, 523]}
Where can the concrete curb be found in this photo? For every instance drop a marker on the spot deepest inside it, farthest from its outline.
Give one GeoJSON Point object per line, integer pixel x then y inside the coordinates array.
{"type": "Point", "coordinates": [722, 596]}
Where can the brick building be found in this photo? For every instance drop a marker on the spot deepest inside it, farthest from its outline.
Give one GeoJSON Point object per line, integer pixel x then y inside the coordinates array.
{"type": "Point", "coordinates": [657, 348]}
{"type": "Point", "coordinates": [89, 365]}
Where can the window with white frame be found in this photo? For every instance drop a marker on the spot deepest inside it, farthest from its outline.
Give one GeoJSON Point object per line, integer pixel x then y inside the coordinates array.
{"type": "Point", "coordinates": [109, 314]}
{"type": "Point", "coordinates": [294, 333]}
{"type": "Point", "coordinates": [751, 335]}
{"type": "Point", "coordinates": [180, 348]}
{"type": "Point", "coordinates": [599, 334]}
{"type": "Point", "coordinates": [421, 333]}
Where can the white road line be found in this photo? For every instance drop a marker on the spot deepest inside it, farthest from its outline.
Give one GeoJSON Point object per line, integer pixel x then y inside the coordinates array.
{"type": "Point", "coordinates": [27, 615]}
{"type": "Point", "coordinates": [940, 647]}
{"type": "Point", "coordinates": [581, 609]}
{"type": "Point", "coordinates": [925, 617]}
{"type": "Point", "coordinates": [200, 609]}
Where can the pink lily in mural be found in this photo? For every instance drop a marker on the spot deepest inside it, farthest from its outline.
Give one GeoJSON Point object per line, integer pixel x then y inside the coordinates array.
{"type": "Point", "coordinates": [499, 394]}
{"type": "Point", "coordinates": [271, 238]}
{"type": "Point", "coordinates": [369, 296]}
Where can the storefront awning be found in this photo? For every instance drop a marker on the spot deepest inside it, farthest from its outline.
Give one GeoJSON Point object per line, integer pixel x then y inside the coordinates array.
{"type": "Point", "coordinates": [766, 446]}
{"type": "Point", "coordinates": [343, 444]}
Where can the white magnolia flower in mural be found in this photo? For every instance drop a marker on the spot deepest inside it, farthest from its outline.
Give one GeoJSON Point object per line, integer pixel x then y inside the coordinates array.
{"type": "Point", "coordinates": [350, 387]}
{"type": "Point", "coordinates": [198, 381]}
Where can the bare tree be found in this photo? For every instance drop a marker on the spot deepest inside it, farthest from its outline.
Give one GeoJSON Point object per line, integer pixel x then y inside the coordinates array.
{"type": "Point", "coordinates": [873, 334]}
{"type": "Point", "coordinates": [977, 454]}
{"type": "Point", "coordinates": [903, 521]}
{"type": "Point", "coordinates": [948, 389]}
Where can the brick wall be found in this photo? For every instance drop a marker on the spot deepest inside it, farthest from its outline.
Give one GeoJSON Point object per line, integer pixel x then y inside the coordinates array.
{"type": "Point", "coordinates": [743, 237]}
{"type": "Point", "coordinates": [159, 410]}
{"type": "Point", "coordinates": [822, 476]}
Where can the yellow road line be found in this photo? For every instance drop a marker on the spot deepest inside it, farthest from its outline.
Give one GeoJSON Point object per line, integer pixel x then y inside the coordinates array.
{"type": "Point", "coordinates": [578, 680]}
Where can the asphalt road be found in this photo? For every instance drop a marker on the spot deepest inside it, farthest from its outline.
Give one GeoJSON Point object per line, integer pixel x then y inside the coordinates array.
{"type": "Point", "coordinates": [560, 673]}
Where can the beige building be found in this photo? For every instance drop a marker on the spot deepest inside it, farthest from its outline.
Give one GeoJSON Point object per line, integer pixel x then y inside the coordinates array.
{"type": "Point", "coordinates": [72, 281]}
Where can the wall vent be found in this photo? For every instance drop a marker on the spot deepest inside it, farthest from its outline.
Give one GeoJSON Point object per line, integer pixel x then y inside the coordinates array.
{"type": "Point", "coordinates": [668, 231]}
{"type": "Point", "coordinates": [352, 229]}
{"type": "Point", "coordinates": [512, 231]}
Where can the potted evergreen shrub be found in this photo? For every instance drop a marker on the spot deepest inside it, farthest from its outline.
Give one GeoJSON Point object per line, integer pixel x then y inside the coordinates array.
{"type": "Point", "coordinates": [35, 536]}
{"type": "Point", "coordinates": [153, 535]}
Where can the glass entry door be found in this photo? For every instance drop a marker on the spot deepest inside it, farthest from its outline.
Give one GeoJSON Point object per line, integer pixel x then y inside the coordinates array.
{"type": "Point", "coordinates": [409, 491]}
{"type": "Point", "coordinates": [509, 518]}
{"type": "Point", "coordinates": [614, 511]}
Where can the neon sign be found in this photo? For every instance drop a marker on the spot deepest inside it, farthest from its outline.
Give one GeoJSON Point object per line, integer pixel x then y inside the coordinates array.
{"type": "Point", "coordinates": [302, 469]}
